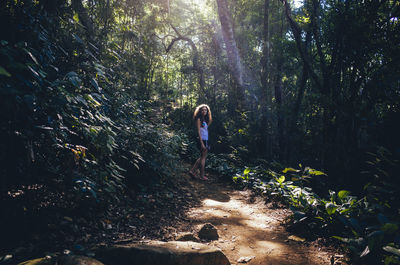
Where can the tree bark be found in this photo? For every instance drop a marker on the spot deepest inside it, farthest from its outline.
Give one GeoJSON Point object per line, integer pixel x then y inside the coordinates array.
{"type": "Point", "coordinates": [234, 61]}
{"type": "Point", "coordinates": [292, 132]}
{"type": "Point", "coordinates": [266, 99]}
{"type": "Point", "coordinates": [278, 95]}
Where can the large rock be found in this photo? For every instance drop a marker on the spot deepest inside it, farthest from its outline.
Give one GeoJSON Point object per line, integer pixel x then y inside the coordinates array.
{"type": "Point", "coordinates": [162, 253]}
{"type": "Point", "coordinates": [63, 260]}
{"type": "Point", "coordinates": [39, 261]}
{"type": "Point", "coordinates": [208, 232]}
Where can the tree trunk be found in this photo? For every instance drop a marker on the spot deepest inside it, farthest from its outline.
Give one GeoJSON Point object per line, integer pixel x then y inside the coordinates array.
{"type": "Point", "coordinates": [234, 61]}
{"type": "Point", "coordinates": [266, 99]}
{"type": "Point", "coordinates": [292, 131]}
{"type": "Point", "coordinates": [278, 98]}
{"type": "Point", "coordinates": [278, 95]}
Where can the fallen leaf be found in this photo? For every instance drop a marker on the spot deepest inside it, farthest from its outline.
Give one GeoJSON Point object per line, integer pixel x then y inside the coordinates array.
{"type": "Point", "coordinates": [68, 218]}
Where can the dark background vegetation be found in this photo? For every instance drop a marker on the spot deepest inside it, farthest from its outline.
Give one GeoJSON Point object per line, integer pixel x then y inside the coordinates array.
{"type": "Point", "coordinates": [96, 99]}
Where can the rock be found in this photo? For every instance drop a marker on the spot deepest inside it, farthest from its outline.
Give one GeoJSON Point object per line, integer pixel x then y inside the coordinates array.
{"type": "Point", "coordinates": [40, 261]}
{"type": "Point", "coordinates": [296, 238]}
{"type": "Point", "coordinates": [208, 232]}
{"type": "Point", "coordinates": [245, 259]}
{"type": "Point", "coordinates": [63, 260]}
{"type": "Point", "coordinates": [77, 260]}
{"type": "Point", "coordinates": [162, 253]}
{"type": "Point", "coordinates": [187, 237]}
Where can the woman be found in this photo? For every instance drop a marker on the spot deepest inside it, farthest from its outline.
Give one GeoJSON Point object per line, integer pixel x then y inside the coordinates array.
{"type": "Point", "coordinates": [203, 119]}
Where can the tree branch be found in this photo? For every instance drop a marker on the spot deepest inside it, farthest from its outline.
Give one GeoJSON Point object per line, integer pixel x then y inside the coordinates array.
{"type": "Point", "coordinates": [195, 60]}
{"type": "Point", "coordinates": [303, 53]}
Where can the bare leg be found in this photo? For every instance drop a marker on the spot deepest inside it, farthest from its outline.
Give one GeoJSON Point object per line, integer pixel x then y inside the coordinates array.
{"type": "Point", "coordinates": [195, 166]}
{"type": "Point", "coordinates": [203, 163]}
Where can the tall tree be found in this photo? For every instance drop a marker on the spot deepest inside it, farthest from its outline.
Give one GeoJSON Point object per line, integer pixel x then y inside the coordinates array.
{"type": "Point", "coordinates": [233, 55]}
{"type": "Point", "coordinates": [266, 97]}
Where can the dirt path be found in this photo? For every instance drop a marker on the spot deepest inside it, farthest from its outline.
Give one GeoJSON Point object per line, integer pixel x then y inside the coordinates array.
{"type": "Point", "coordinates": [248, 228]}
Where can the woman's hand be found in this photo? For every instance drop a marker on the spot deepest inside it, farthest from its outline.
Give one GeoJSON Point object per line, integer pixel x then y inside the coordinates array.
{"type": "Point", "coordinates": [203, 148]}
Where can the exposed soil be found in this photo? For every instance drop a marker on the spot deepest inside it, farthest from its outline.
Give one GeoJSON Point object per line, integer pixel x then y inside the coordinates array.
{"type": "Point", "coordinates": [249, 227]}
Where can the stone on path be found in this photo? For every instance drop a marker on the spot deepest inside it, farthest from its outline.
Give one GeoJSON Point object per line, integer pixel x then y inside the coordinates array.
{"type": "Point", "coordinates": [162, 253]}
{"type": "Point", "coordinates": [245, 259]}
{"type": "Point", "coordinates": [208, 232]}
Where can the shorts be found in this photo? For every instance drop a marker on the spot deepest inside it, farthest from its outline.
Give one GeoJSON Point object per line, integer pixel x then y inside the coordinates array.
{"type": "Point", "coordinates": [206, 144]}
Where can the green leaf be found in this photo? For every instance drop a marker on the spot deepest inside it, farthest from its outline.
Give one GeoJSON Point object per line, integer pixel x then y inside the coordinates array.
{"type": "Point", "coordinates": [316, 172]}
{"type": "Point", "coordinates": [76, 37]}
{"type": "Point", "coordinates": [392, 250]}
{"type": "Point", "coordinates": [32, 57]}
{"type": "Point", "coordinates": [365, 252]}
{"type": "Point", "coordinates": [330, 208]}
{"type": "Point", "coordinates": [4, 72]}
{"type": "Point", "coordinates": [73, 78]}
{"type": "Point", "coordinates": [345, 240]}
{"type": "Point", "coordinates": [95, 84]}
{"type": "Point", "coordinates": [281, 179]}
{"type": "Point", "coordinates": [391, 260]}
{"type": "Point", "coordinates": [345, 211]}
{"type": "Point", "coordinates": [375, 240]}
{"type": "Point", "coordinates": [390, 228]}
{"type": "Point", "coordinates": [343, 194]}
{"type": "Point", "coordinates": [76, 17]}
{"type": "Point", "coordinates": [33, 71]}
{"type": "Point", "coordinates": [289, 169]}
{"type": "Point", "coordinates": [246, 171]}
{"type": "Point", "coordinates": [91, 100]}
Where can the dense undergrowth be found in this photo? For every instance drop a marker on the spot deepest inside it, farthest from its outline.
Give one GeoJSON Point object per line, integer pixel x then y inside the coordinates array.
{"type": "Point", "coordinates": [368, 222]}
{"type": "Point", "coordinates": [75, 130]}
{"type": "Point", "coordinates": [71, 112]}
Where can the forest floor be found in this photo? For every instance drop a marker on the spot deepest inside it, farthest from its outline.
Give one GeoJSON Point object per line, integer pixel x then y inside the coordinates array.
{"type": "Point", "coordinates": [249, 227]}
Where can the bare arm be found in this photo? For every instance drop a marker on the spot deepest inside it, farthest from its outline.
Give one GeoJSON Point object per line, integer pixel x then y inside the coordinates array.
{"type": "Point", "coordinates": [198, 132]}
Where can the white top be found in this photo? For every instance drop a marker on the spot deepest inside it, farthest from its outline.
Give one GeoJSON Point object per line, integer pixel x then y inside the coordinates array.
{"type": "Point", "coordinates": [204, 130]}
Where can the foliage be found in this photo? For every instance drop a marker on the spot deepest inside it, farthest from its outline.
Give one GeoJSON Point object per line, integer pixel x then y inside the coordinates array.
{"type": "Point", "coordinates": [368, 224]}
{"type": "Point", "coordinates": [70, 113]}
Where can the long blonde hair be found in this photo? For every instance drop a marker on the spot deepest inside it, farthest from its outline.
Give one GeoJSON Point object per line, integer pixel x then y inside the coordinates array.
{"type": "Point", "coordinates": [197, 113]}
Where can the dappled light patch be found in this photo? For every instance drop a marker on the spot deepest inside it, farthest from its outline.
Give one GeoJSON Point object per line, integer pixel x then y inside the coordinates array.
{"type": "Point", "coordinates": [247, 228]}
